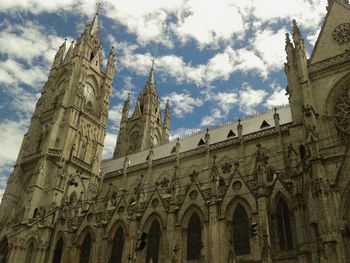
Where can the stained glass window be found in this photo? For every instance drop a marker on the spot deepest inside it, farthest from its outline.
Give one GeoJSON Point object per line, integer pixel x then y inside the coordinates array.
{"type": "Point", "coordinates": [194, 238]}
{"type": "Point", "coordinates": [58, 251]}
{"type": "Point", "coordinates": [153, 243]}
{"type": "Point", "coordinates": [85, 249]}
{"type": "Point", "coordinates": [118, 246]}
{"type": "Point", "coordinates": [240, 231]}
{"type": "Point", "coordinates": [284, 229]}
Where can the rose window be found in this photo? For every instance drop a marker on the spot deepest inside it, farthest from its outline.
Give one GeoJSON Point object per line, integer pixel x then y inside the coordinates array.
{"type": "Point", "coordinates": [341, 33]}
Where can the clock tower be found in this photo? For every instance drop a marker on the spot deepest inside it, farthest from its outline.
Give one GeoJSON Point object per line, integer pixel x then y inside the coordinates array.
{"type": "Point", "coordinates": [61, 153]}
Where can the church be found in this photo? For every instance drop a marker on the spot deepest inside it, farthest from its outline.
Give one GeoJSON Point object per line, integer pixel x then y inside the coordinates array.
{"type": "Point", "coordinates": [273, 188]}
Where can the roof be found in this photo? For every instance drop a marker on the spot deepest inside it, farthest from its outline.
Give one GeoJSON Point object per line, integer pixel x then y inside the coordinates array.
{"type": "Point", "coordinates": [222, 133]}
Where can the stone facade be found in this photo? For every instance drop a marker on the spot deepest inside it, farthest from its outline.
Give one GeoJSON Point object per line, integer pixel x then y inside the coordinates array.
{"type": "Point", "coordinates": [270, 188]}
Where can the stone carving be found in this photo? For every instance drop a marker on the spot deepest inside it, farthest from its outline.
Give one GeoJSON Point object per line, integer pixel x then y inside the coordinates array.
{"type": "Point", "coordinates": [341, 33]}
{"type": "Point", "coordinates": [342, 113]}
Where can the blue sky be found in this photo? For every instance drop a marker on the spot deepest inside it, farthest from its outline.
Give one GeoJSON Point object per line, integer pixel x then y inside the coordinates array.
{"type": "Point", "coordinates": [215, 60]}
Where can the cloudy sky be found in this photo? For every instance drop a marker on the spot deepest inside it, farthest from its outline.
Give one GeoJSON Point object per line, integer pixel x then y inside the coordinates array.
{"type": "Point", "coordinates": [215, 60]}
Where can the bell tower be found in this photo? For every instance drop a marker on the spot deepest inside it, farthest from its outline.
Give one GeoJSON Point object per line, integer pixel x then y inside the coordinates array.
{"type": "Point", "coordinates": [145, 128]}
{"type": "Point", "coordinates": [62, 150]}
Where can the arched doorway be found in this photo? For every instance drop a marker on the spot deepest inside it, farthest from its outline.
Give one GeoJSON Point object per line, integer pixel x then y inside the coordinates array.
{"type": "Point", "coordinates": [118, 246]}
{"type": "Point", "coordinates": [4, 249]}
{"type": "Point", "coordinates": [153, 243]}
{"type": "Point", "coordinates": [58, 251]}
{"type": "Point", "coordinates": [85, 249]}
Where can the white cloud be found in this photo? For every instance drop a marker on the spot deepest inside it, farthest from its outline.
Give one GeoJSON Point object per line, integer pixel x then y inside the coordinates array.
{"type": "Point", "coordinates": [114, 116]}
{"type": "Point", "coordinates": [182, 103]}
{"type": "Point", "coordinates": [11, 138]}
{"type": "Point", "coordinates": [250, 98]}
{"type": "Point", "coordinates": [269, 45]}
{"type": "Point", "coordinates": [28, 41]}
{"type": "Point", "coordinates": [226, 100]}
{"type": "Point", "coordinates": [214, 118]}
{"type": "Point", "coordinates": [109, 145]}
{"type": "Point", "coordinates": [277, 98]}
{"type": "Point", "coordinates": [208, 21]}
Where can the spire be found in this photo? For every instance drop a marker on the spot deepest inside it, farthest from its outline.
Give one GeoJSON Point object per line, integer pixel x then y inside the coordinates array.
{"type": "Point", "coordinates": [59, 55]}
{"type": "Point", "coordinates": [297, 38]}
{"type": "Point", "coordinates": [167, 115]}
{"type": "Point", "coordinates": [94, 26]}
{"type": "Point", "coordinates": [69, 54]}
{"type": "Point", "coordinates": [125, 112]}
{"type": "Point", "coordinates": [150, 85]}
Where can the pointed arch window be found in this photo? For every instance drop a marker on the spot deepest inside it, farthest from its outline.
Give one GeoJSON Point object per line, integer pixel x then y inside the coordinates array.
{"type": "Point", "coordinates": [194, 237]}
{"type": "Point", "coordinates": [240, 231]}
{"type": "Point", "coordinates": [284, 230]}
{"type": "Point", "coordinates": [57, 255]}
{"type": "Point", "coordinates": [85, 249]}
{"type": "Point", "coordinates": [118, 246]}
{"type": "Point", "coordinates": [153, 243]}
{"type": "Point", "coordinates": [30, 257]}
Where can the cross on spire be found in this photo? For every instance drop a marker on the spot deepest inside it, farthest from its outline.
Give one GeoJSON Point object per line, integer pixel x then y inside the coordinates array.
{"type": "Point", "coordinates": [153, 63]}
{"type": "Point", "coordinates": [98, 6]}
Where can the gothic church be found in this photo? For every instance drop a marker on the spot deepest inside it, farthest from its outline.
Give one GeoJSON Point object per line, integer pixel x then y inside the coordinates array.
{"type": "Point", "coordinates": [273, 188]}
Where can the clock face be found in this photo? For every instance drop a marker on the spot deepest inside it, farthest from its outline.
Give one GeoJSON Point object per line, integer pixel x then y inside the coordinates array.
{"type": "Point", "coordinates": [89, 92]}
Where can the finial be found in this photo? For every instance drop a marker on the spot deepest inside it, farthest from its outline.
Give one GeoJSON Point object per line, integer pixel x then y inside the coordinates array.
{"type": "Point", "coordinates": [275, 109]}
{"type": "Point", "coordinates": [239, 121]}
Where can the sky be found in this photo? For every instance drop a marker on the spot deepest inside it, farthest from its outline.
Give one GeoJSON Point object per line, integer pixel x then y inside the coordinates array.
{"type": "Point", "coordinates": [216, 61]}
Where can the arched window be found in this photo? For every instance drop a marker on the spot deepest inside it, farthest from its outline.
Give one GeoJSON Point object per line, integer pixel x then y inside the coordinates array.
{"type": "Point", "coordinates": [85, 249]}
{"type": "Point", "coordinates": [153, 243]}
{"type": "Point", "coordinates": [194, 237]}
{"type": "Point", "coordinates": [240, 231]}
{"type": "Point", "coordinates": [57, 255]}
{"type": "Point", "coordinates": [284, 230]}
{"type": "Point", "coordinates": [118, 246]}
{"type": "Point", "coordinates": [30, 253]}
{"type": "Point", "coordinates": [35, 213]}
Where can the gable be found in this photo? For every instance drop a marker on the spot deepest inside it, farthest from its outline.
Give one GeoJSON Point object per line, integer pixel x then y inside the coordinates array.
{"type": "Point", "coordinates": [330, 42]}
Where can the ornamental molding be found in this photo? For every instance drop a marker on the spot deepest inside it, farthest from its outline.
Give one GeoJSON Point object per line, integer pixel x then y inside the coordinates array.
{"type": "Point", "coordinates": [329, 63]}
